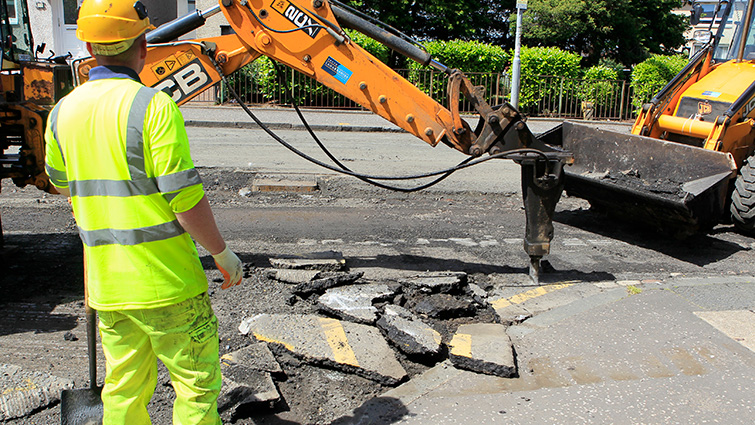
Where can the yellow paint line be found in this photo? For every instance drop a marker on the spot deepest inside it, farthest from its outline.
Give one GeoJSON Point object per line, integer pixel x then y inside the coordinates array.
{"type": "Point", "coordinates": [461, 345]}
{"type": "Point", "coordinates": [263, 338]}
{"type": "Point", "coordinates": [528, 295]}
{"type": "Point", "coordinates": [339, 344]}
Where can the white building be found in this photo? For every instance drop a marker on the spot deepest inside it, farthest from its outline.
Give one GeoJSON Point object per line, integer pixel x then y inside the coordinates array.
{"type": "Point", "coordinates": [53, 22]}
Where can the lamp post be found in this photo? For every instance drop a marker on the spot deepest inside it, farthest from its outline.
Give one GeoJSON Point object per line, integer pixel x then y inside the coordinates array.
{"type": "Point", "coordinates": [521, 6]}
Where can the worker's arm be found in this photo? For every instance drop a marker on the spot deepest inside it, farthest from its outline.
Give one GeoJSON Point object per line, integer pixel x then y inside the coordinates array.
{"type": "Point", "coordinates": [200, 223]}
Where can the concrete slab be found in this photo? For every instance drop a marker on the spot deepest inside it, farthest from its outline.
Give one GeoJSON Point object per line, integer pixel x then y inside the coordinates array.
{"type": "Point", "coordinates": [354, 302]}
{"type": "Point", "coordinates": [326, 282]}
{"type": "Point", "coordinates": [325, 261]}
{"type": "Point", "coordinates": [483, 348]}
{"type": "Point", "coordinates": [293, 276]}
{"type": "Point", "coordinates": [541, 298]}
{"type": "Point", "coordinates": [556, 315]}
{"type": "Point", "coordinates": [351, 347]}
{"type": "Point", "coordinates": [243, 386]}
{"type": "Point", "coordinates": [408, 332]}
{"type": "Point", "coordinates": [256, 356]}
{"type": "Point", "coordinates": [513, 314]}
{"type": "Point", "coordinates": [444, 282]}
{"type": "Point", "coordinates": [24, 391]}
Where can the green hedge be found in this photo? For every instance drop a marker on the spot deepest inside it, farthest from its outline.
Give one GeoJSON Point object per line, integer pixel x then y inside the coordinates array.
{"type": "Point", "coordinates": [468, 56]}
{"type": "Point", "coordinates": [651, 75]}
{"type": "Point", "coordinates": [538, 61]}
{"type": "Point", "coordinates": [380, 51]}
{"type": "Point", "coordinates": [598, 85]}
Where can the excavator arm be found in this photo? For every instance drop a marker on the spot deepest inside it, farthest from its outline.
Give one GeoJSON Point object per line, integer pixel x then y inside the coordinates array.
{"type": "Point", "coordinates": [308, 36]}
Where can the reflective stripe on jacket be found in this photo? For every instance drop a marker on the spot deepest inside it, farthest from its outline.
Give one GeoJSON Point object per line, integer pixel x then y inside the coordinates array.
{"type": "Point", "coordinates": [122, 151]}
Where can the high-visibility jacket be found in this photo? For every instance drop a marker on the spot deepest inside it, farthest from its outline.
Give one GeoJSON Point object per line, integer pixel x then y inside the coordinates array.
{"type": "Point", "coordinates": [121, 149]}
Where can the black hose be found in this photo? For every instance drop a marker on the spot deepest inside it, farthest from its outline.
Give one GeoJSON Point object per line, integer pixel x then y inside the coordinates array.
{"type": "Point", "coordinates": [468, 162]}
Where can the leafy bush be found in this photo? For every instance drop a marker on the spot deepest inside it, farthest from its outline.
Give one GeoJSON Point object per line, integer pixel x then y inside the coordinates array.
{"type": "Point", "coordinates": [468, 56]}
{"type": "Point", "coordinates": [380, 51]}
{"type": "Point", "coordinates": [545, 61]}
{"type": "Point", "coordinates": [254, 83]}
{"type": "Point", "coordinates": [598, 85]}
{"type": "Point", "coordinates": [651, 75]}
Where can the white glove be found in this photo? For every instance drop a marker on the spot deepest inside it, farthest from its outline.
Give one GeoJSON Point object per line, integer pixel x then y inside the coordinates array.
{"type": "Point", "coordinates": [230, 265]}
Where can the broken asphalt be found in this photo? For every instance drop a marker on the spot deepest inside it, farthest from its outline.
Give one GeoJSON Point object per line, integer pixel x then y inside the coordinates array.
{"type": "Point", "coordinates": [678, 351]}
{"type": "Point", "coordinates": [673, 352]}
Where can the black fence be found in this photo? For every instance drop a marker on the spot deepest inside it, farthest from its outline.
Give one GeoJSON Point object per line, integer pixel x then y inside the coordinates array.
{"type": "Point", "coordinates": [544, 96]}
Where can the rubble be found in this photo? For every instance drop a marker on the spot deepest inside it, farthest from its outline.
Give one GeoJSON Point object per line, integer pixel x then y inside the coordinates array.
{"type": "Point", "coordinates": [326, 282]}
{"type": "Point", "coordinates": [440, 306]}
{"type": "Point", "coordinates": [247, 378]}
{"type": "Point", "coordinates": [24, 392]}
{"type": "Point", "coordinates": [351, 347]}
{"type": "Point", "coordinates": [354, 302]}
{"type": "Point", "coordinates": [478, 294]}
{"type": "Point", "coordinates": [243, 386]}
{"type": "Point", "coordinates": [444, 282]}
{"type": "Point", "coordinates": [407, 332]}
{"type": "Point", "coordinates": [483, 348]}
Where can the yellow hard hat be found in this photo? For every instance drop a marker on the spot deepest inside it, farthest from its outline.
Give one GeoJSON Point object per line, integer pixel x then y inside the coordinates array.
{"type": "Point", "coordinates": [111, 21]}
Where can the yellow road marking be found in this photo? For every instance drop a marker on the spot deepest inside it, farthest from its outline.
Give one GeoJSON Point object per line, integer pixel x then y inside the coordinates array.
{"type": "Point", "coordinates": [263, 338]}
{"type": "Point", "coordinates": [336, 337]}
{"type": "Point", "coordinates": [461, 345]}
{"type": "Point", "coordinates": [524, 296]}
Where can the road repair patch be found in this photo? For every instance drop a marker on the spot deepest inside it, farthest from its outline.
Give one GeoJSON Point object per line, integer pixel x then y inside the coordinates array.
{"type": "Point", "coordinates": [738, 325]}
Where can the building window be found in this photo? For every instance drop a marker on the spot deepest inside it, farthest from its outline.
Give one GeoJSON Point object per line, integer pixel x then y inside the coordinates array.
{"type": "Point", "coordinates": [10, 6]}
{"type": "Point", "coordinates": [70, 11]}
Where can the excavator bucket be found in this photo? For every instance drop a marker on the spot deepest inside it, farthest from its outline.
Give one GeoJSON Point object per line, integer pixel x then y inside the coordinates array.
{"type": "Point", "coordinates": [673, 187]}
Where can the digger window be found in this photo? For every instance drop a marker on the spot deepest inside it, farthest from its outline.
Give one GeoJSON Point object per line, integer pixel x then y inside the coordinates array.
{"type": "Point", "coordinates": [732, 33]}
{"type": "Point", "coordinates": [15, 35]}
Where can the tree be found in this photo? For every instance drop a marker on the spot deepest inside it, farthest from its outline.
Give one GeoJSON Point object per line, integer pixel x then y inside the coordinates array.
{"type": "Point", "coordinates": [627, 31]}
{"type": "Point", "coordinates": [485, 21]}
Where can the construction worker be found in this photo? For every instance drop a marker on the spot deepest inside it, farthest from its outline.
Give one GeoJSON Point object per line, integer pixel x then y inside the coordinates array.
{"type": "Point", "coordinates": [119, 149]}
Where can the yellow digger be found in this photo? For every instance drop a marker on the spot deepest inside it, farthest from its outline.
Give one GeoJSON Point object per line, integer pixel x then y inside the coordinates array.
{"type": "Point", "coordinates": [688, 163]}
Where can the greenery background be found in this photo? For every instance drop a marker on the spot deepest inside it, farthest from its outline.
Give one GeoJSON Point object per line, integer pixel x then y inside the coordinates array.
{"type": "Point", "coordinates": [585, 48]}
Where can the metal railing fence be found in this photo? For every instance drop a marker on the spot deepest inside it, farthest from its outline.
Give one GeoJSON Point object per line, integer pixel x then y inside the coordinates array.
{"type": "Point", "coordinates": [543, 96]}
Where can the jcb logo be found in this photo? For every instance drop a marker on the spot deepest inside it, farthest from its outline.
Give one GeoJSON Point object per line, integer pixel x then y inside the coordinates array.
{"type": "Point", "coordinates": [187, 81]}
{"type": "Point", "coordinates": [297, 17]}
{"type": "Point", "coordinates": [704, 108]}
{"type": "Point", "coordinates": [749, 108]}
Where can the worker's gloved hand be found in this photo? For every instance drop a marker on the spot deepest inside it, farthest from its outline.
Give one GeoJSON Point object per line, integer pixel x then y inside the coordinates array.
{"type": "Point", "coordinates": [230, 265]}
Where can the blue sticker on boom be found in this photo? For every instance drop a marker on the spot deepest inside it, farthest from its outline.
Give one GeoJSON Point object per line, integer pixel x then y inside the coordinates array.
{"type": "Point", "coordinates": [340, 72]}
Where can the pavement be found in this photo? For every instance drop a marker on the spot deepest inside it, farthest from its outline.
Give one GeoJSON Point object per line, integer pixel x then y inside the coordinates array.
{"type": "Point", "coordinates": [277, 118]}
{"type": "Point", "coordinates": [674, 353]}
{"type": "Point", "coordinates": [285, 118]}
{"type": "Point", "coordinates": [681, 351]}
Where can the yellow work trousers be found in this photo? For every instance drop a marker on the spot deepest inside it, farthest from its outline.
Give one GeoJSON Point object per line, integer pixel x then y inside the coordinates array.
{"type": "Point", "coordinates": [184, 337]}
